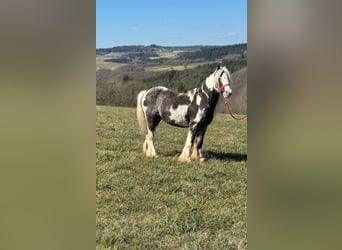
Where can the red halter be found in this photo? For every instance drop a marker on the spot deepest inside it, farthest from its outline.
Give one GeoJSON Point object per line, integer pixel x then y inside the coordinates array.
{"type": "Point", "coordinates": [218, 87]}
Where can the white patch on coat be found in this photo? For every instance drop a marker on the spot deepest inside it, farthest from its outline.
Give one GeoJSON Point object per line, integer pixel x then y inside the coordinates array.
{"type": "Point", "coordinates": [178, 114]}
{"type": "Point", "coordinates": [210, 82]}
{"type": "Point", "coordinates": [198, 100]}
{"type": "Point", "coordinates": [191, 94]}
{"type": "Point", "coordinates": [199, 115]}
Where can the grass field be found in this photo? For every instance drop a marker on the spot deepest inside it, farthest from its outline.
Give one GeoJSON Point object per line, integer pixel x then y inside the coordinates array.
{"type": "Point", "coordinates": [144, 203]}
{"type": "Point", "coordinates": [101, 63]}
{"type": "Point", "coordinates": [174, 67]}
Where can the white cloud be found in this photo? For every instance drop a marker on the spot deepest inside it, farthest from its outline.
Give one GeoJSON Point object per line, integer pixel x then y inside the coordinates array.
{"type": "Point", "coordinates": [232, 34]}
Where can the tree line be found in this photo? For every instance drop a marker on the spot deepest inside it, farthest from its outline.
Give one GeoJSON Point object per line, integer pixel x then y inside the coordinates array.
{"type": "Point", "coordinates": [213, 53]}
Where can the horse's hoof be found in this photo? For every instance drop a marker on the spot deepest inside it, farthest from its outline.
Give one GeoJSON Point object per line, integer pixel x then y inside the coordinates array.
{"type": "Point", "coordinates": [194, 157]}
{"type": "Point", "coordinates": [150, 154]}
{"type": "Point", "coordinates": [183, 158]}
{"type": "Point", "coordinates": [202, 159]}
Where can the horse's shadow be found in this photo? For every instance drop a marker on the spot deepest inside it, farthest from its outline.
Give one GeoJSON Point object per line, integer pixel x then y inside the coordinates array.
{"type": "Point", "coordinates": [225, 156]}
{"type": "Point", "coordinates": [214, 155]}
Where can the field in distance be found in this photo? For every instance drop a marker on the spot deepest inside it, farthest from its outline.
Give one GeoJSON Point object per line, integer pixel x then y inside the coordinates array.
{"type": "Point", "coordinates": [155, 57]}
{"type": "Point", "coordinates": [102, 63]}
{"type": "Point", "coordinates": [173, 67]}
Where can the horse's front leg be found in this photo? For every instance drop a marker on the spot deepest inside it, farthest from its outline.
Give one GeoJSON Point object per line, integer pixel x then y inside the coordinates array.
{"type": "Point", "coordinates": [185, 155]}
{"type": "Point", "coordinates": [197, 150]}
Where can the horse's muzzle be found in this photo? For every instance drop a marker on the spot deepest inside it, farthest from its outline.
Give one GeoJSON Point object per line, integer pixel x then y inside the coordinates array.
{"type": "Point", "coordinates": [226, 95]}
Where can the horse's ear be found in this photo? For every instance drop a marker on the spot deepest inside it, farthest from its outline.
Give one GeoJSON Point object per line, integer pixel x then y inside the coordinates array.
{"type": "Point", "coordinates": [218, 66]}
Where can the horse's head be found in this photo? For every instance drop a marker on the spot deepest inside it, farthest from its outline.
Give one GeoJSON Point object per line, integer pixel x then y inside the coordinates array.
{"type": "Point", "coordinates": [223, 81]}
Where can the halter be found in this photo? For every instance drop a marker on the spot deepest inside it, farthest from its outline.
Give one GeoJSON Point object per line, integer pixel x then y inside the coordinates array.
{"type": "Point", "coordinates": [217, 86]}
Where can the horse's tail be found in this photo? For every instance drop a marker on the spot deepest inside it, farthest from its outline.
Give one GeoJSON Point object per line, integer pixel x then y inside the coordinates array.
{"type": "Point", "coordinates": [141, 113]}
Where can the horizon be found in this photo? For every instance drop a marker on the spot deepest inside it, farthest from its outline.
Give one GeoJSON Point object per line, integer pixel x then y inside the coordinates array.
{"type": "Point", "coordinates": [171, 23]}
{"type": "Point", "coordinates": [194, 45]}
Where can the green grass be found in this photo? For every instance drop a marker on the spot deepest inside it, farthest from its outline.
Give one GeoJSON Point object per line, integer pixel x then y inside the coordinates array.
{"type": "Point", "coordinates": [112, 66]}
{"type": "Point", "coordinates": [144, 203]}
{"type": "Point", "coordinates": [101, 63]}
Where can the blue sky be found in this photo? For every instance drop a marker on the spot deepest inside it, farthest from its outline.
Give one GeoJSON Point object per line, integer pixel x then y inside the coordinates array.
{"type": "Point", "coordinates": [170, 22]}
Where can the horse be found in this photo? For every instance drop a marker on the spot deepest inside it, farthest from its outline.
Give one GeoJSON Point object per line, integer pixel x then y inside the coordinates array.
{"type": "Point", "coordinates": [193, 109]}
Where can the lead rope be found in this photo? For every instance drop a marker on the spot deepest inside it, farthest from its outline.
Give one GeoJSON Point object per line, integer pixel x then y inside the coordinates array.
{"type": "Point", "coordinates": [226, 104]}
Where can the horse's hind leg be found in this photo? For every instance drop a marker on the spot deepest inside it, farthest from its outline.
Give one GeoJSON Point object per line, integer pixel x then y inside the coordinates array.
{"type": "Point", "coordinates": [197, 150]}
{"type": "Point", "coordinates": [148, 146]}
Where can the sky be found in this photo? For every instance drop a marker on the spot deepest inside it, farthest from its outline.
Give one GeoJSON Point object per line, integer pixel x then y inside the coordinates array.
{"type": "Point", "coordinates": [170, 22]}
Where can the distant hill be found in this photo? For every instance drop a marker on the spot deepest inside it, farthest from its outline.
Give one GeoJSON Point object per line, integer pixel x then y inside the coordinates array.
{"type": "Point", "coordinates": [142, 48]}
{"type": "Point", "coordinates": [216, 52]}
{"type": "Point", "coordinates": [239, 97]}
{"type": "Point", "coordinates": [156, 54]}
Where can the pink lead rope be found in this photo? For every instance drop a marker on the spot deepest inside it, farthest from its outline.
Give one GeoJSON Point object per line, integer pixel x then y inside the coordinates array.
{"type": "Point", "coordinates": [220, 89]}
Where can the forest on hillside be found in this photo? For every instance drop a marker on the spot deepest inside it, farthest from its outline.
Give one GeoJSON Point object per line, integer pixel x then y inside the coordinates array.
{"type": "Point", "coordinates": [212, 53]}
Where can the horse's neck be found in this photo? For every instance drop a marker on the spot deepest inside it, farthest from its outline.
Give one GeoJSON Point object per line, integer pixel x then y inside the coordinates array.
{"type": "Point", "coordinates": [210, 82]}
{"type": "Point", "coordinates": [209, 90]}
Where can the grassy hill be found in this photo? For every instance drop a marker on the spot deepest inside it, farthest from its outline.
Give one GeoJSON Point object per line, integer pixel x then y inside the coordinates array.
{"type": "Point", "coordinates": [238, 100]}
{"type": "Point", "coordinates": [144, 203]}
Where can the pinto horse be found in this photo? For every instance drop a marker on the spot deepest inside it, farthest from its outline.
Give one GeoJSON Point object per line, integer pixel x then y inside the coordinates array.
{"type": "Point", "coordinates": [193, 109]}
